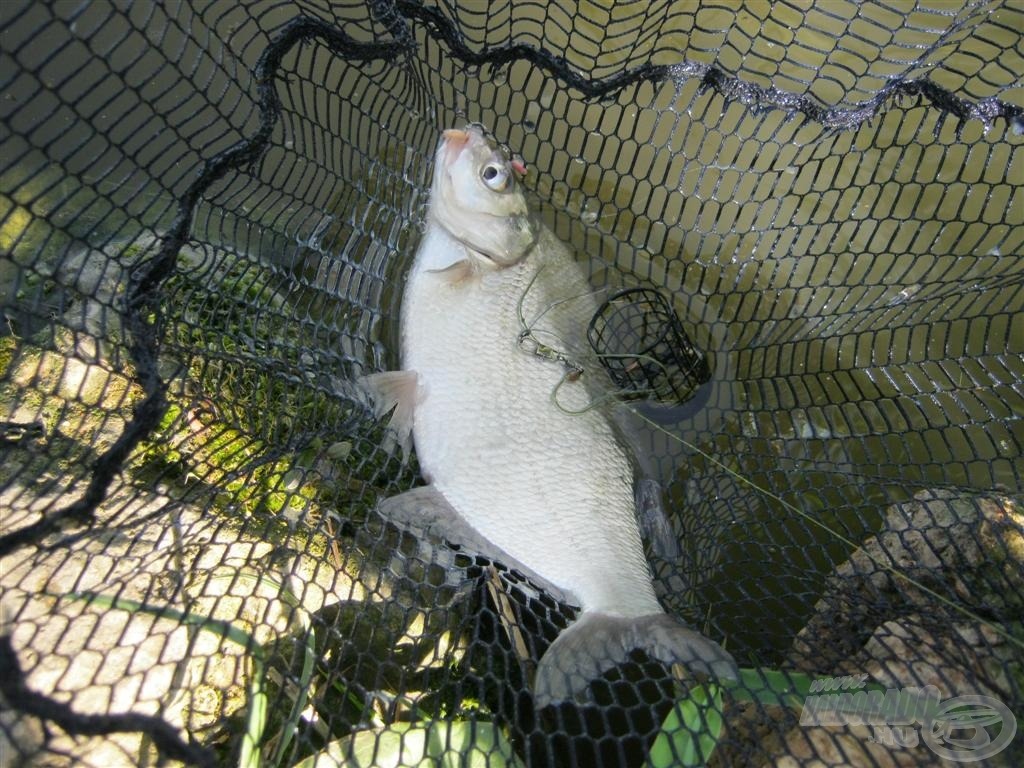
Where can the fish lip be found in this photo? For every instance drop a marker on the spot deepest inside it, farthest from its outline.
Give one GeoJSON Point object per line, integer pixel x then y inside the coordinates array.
{"type": "Point", "coordinates": [457, 135]}
{"type": "Point", "coordinates": [461, 136]}
{"type": "Point", "coordinates": [454, 141]}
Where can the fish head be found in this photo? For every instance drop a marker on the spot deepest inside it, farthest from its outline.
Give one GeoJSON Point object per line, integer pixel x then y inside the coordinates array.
{"type": "Point", "coordinates": [477, 195]}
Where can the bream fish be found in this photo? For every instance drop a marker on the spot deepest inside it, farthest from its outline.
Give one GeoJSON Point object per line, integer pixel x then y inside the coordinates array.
{"type": "Point", "coordinates": [509, 411]}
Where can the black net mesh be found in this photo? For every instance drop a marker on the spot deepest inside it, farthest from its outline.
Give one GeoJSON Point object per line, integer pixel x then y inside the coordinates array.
{"type": "Point", "coordinates": [206, 213]}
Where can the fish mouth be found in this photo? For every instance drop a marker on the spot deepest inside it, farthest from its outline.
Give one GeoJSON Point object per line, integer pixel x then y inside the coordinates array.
{"type": "Point", "coordinates": [455, 136]}
{"type": "Point", "coordinates": [457, 139]}
{"type": "Point", "coordinates": [454, 141]}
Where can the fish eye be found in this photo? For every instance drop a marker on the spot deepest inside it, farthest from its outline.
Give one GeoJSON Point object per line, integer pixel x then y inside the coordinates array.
{"type": "Point", "coordinates": [495, 176]}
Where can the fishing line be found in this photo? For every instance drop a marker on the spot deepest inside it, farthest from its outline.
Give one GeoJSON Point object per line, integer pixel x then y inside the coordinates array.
{"type": "Point", "coordinates": [559, 302]}
{"type": "Point", "coordinates": [575, 370]}
{"type": "Point", "coordinates": [612, 395]}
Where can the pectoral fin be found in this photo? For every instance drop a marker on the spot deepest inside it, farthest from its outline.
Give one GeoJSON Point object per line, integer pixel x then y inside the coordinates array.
{"type": "Point", "coordinates": [599, 641]}
{"type": "Point", "coordinates": [455, 272]}
{"type": "Point", "coordinates": [397, 392]}
{"type": "Point", "coordinates": [425, 512]}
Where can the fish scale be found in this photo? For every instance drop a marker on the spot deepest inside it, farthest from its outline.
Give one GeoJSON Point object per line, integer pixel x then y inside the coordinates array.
{"type": "Point", "coordinates": [524, 473]}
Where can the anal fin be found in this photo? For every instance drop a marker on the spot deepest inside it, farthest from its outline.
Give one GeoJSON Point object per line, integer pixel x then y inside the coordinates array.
{"type": "Point", "coordinates": [424, 511]}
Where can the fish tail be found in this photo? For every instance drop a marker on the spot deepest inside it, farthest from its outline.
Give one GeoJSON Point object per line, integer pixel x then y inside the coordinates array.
{"type": "Point", "coordinates": [599, 641]}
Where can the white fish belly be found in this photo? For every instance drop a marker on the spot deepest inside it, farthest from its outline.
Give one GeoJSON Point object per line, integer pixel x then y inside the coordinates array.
{"type": "Point", "coordinates": [553, 489]}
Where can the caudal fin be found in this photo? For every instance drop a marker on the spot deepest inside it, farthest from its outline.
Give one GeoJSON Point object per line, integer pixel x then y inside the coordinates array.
{"type": "Point", "coordinates": [599, 641]}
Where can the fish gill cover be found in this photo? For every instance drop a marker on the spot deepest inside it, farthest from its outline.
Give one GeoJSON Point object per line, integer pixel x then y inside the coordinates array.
{"type": "Point", "coordinates": [207, 211]}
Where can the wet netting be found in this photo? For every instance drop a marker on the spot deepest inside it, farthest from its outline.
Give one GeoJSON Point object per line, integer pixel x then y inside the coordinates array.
{"type": "Point", "coordinates": [803, 224]}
